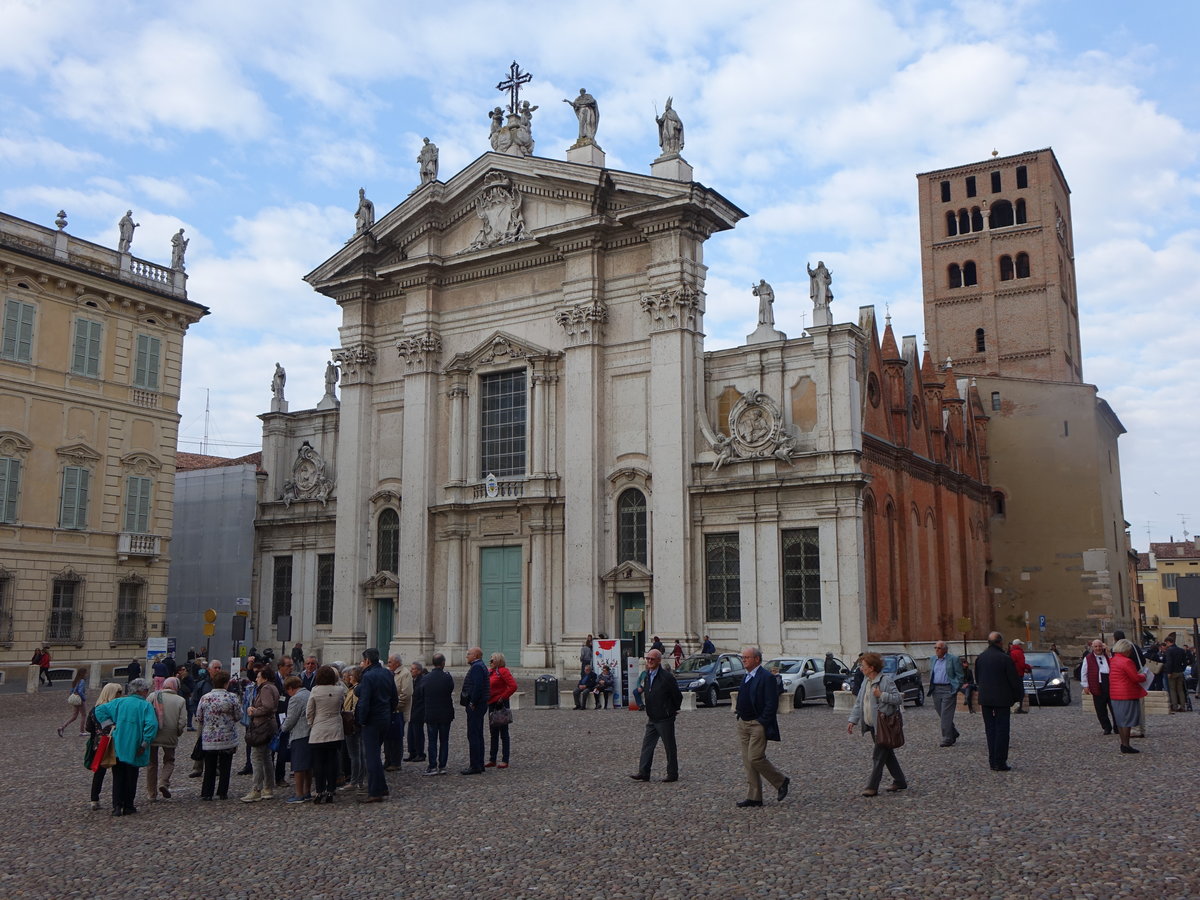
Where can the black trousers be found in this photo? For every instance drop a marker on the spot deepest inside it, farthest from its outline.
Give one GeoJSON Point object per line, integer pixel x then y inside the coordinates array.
{"type": "Point", "coordinates": [439, 744]}
{"type": "Point", "coordinates": [996, 723]}
{"type": "Point", "coordinates": [499, 738]}
{"type": "Point", "coordinates": [325, 761]}
{"type": "Point", "coordinates": [125, 781]}
{"type": "Point", "coordinates": [217, 764]}
{"type": "Point", "coordinates": [416, 738]}
{"type": "Point", "coordinates": [393, 743]}
{"type": "Point", "coordinates": [475, 719]}
{"type": "Point", "coordinates": [664, 730]}
{"type": "Point", "coordinates": [1103, 707]}
{"type": "Point", "coordinates": [884, 757]}
{"type": "Point", "coordinates": [97, 783]}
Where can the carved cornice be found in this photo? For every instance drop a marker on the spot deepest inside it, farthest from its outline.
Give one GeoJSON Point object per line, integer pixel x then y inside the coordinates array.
{"type": "Point", "coordinates": [79, 454]}
{"type": "Point", "coordinates": [384, 497]}
{"type": "Point", "coordinates": [14, 444]}
{"type": "Point", "coordinates": [357, 363]}
{"type": "Point", "coordinates": [421, 352]}
{"type": "Point", "coordinates": [677, 307]}
{"type": "Point", "coordinates": [584, 322]}
{"type": "Point", "coordinates": [140, 463]}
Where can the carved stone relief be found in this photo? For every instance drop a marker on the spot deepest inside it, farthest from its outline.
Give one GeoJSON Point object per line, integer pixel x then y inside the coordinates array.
{"type": "Point", "coordinates": [676, 307]}
{"type": "Point", "coordinates": [756, 431]}
{"type": "Point", "coordinates": [308, 481]}
{"type": "Point", "coordinates": [420, 352]}
{"type": "Point", "coordinates": [357, 362]}
{"type": "Point", "coordinates": [499, 211]}
{"type": "Point", "coordinates": [583, 322]}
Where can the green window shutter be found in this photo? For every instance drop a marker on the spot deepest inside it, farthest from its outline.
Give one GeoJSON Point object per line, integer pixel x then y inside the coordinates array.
{"type": "Point", "coordinates": [18, 331]}
{"type": "Point", "coordinates": [146, 370]}
{"type": "Point", "coordinates": [10, 479]}
{"type": "Point", "coordinates": [85, 360]}
{"type": "Point", "coordinates": [70, 497]}
{"type": "Point", "coordinates": [137, 505]}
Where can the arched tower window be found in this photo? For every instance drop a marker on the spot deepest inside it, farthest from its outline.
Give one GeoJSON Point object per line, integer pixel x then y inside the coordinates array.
{"type": "Point", "coordinates": [954, 274]}
{"type": "Point", "coordinates": [1020, 217]}
{"type": "Point", "coordinates": [964, 222]}
{"type": "Point", "coordinates": [1006, 268]}
{"type": "Point", "coordinates": [1002, 214]}
{"type": "Point", "coordinates": [1022, 265]}
{"type": "Point", "coordinates": [980, 340]}
{"type": "Point", "coordinates": [968, 273]}
{"type": "Point", "coordinates": [631, 526]}
{"type": "Point", "coordinates": [951, 224]}
{"type": "Point", "coordinates": [998, 503]}
{"type": "Point", "coordinates": [976, 219]}
{"type": "Point", "coordinates": [387, 556]}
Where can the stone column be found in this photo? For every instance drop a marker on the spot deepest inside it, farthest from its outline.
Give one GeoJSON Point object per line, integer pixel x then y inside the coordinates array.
{"type": "Point", "coordinates": [458, 419]}
{"type": "Point", "coordinates": [535, 652]}
{"type": "Point", "coordinates": [453, 642]}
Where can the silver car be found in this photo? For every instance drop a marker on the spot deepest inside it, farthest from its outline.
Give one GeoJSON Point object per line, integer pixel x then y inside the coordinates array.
{"type": "Point", "coordinates": [804, 676]}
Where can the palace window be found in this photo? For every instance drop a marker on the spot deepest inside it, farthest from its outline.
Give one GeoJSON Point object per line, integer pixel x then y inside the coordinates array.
{"type": "Point", "coordinates": [1022, 177]}
{"type": "Point", "coordinates": [145, 372]}
{"type": "Point", "coordinates": [801, 575]}
{"type": "Point", "coordinates": [130, 624]}
{"type": "Point", "coordinates": [85, 357]}
{"type": "Point", "coordinates": [722, 577]}
{"type": "Point", "coordinates": [980, 340]}
{"type": "Point", "coordinates": [387, 554]}
{"type": "Point", "coordinates": [65, 623]}
{"type": "Point", "coordinates": [945, 192]}
{"type": "Point", "coordinates": [137, 504]}
{"type": "Point", "coordinates": [968, 273]}
{"type": "Point", "coordinates": [995, 182]}
{"type": "Point", "coordinates": [631, 526]}
{"type": "Point", "coordinates": [970, 185]}
{"type": "Point", "coordinates": [502, 424]}
{"type": "Point", "coordinates": [281, 588]}
{"type": "Point", "coordinates": [10, 485]}
{"type": "Point", "coordinates": [1168, 580]}
{"type": "Point", "coordinates": [995, 401]}
{"type": "Point", "coordinates": [17, 340]}
{"type": "Point", "coordinates": [73, 509]}
{"type": "Point", "coordinates": [325, 589]}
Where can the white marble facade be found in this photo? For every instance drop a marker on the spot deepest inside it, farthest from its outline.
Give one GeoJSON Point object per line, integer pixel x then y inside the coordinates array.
{"type": "Point", "coordinates": [577, 292]}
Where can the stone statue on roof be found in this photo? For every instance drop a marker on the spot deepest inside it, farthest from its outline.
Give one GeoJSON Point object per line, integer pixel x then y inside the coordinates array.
{"type": "Point", "coordinates": [670, 131]}
{"type": "Point", "coordinates": [587, 111]}
{"type": "Point", "coordinates": [126, 226]}
{"type": "Point", "coordinates": [179, 245]}
{"type": "Point", "coordinates": [364, 216]}
{"type": "Point", "coordinates": [428, 160]}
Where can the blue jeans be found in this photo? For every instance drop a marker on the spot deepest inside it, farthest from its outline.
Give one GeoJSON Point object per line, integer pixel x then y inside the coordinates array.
{"type": "Point", "coordinates": [372, 743]}
{"type": "Point", "coordinates": [439, 744]}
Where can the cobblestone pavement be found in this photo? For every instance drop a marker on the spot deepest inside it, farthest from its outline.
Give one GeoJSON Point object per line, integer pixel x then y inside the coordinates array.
{"type": "Point", "coordinates": [1073, 819]}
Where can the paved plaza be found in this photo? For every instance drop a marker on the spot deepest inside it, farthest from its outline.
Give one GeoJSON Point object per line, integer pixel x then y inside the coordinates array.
{"type": "Point", "coordinates": [1073, 819]}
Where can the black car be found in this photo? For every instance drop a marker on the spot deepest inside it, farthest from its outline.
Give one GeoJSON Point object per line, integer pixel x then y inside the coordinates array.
{"type": "Point", "coordinates": [1050, 681]}
{"type": "Point", "coordinates": [904, 672]}
{"type": "Point", "coordinates": [711, 676]}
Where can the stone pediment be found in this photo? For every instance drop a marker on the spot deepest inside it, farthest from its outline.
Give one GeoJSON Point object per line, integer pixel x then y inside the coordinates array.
{"type": "Point", "coordinates": [382, 581]}
{"type": "Point", "coordinates": [628, 571]}
{"type": "Point", "coordinates": [78, 454]}
{"type": "Point", "coordinates": [500, 348]}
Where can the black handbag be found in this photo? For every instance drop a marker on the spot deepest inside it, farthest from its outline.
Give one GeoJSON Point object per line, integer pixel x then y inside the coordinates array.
{"type": "Point", "coordinates": [260, 731]}
{"type": "Point", "coordinates": [889, 730]}
{"type": "Point", "coordinates": [498, 718]}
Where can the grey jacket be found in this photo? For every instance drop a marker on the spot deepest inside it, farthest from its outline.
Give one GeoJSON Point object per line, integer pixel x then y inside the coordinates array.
{"type": "Point", "coordinates": [174, 717]}
{"type": "Point", "coordinates": [296, 723]}
{"type": "Point", "coordinates": [887, 702]}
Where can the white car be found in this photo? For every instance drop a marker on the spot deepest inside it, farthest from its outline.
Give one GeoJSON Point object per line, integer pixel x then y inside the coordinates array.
{"type": "Point", "coordinates": [804, 676]}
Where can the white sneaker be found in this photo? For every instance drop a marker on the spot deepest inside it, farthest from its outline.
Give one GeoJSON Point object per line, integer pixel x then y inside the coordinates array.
{"type": "Point", "coordinates": [252, 797]}
{"type": "Point", "coordinates": [443, 772]}
{"type": "Point", "coordinates": [431, 772]}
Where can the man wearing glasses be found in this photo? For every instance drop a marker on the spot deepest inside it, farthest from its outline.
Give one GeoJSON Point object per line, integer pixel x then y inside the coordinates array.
{"type": "Point", "coordinates": [661, 699]}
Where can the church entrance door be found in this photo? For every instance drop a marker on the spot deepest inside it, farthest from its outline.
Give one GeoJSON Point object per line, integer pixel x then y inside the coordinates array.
{"type": "Point", "coordinates": [384, 625]}
{"type": "Point", "coordinates": [633, 623]}
{"type": "Point", "coordinates": [501, 602]}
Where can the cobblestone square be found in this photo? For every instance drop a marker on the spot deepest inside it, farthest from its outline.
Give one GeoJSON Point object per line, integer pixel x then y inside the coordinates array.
{"type": "Point", "coordinates": [1073, 819]}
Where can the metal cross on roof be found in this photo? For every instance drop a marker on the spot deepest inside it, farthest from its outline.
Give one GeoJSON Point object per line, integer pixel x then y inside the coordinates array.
{"type": "Point", "coordinates": [513, 83]}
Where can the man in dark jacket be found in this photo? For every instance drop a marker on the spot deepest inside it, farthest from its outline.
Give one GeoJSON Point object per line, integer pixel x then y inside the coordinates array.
{"type": "Point", "coordinates": [474, 698]}
{"type": "Point", "coordinates": [757, 702]}
{"type": "Point", "coordinates": [416, 718]}
{"type": "Point", "coordinates": [437, 686]}
{"type": "Point", "coordinates": [661, 699]}
{"type": "Point", "coordinates": [376, 699]}
{"type": "Point", "coordinates": [999, 688]}
{"type": "Point", "coordinates": [1174, 661]}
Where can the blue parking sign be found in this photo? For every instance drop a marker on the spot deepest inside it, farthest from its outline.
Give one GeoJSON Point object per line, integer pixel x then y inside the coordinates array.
{"type": "Point", "coordinates": [1041, 623]}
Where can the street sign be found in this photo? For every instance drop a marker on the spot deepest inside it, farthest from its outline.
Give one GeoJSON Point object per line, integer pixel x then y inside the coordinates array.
{"type": "Point", "coordinates": [156, 645]}
{"type": "Point", "coordinates": [209, 629]}
{"type": "Point", "coordinates": [633, 621]}
{"type": "Point", "coordinates": [964, 624]}
{"type": "Point", "coordinates": [1041, 623]}
{"type": "Point", "coordinates": [210, 616]}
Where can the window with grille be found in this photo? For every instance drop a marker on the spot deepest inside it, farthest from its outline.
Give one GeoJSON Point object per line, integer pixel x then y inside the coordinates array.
{"type": "Point", "coordinates": [137, 504]}
{"type": "Point", "coordinates": [10, 484]}
{"type": "Point", "coordinates": [801, 575]}
{"type": "Point", "coordinates": [145, 370]}
{"type": "Point", "coordinates": [502, 424]}
{"type": "Point", "coordinates": [64, 624]}
{"type": "Point", "coordinates": [73, 509]}
{"type": "Point", "coordinates": [85, 357]}
{"type": "Point", "coordinates": [16, 342]}
{"type": "Point", "coordinates": [6, 607]}
{"type": "Point", "coordinates": [722, 576]}
{"type": "Point", "coordinates": [281, 588]}
{"type": "Point", "coordinates": [130, 625]}
{"type": "Point", "coordinates": [325, 589]}
{"type": "Point", "coordinates": [387, 556]}
{"type": "Point", "coordinates": [631, 526]}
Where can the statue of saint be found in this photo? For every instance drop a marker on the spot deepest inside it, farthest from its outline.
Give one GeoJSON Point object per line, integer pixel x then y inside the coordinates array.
{"type": "Point", "coordinates": [766, 300]}
{"type": "Point", "coordinates": [364, 216]}
{"type": "Point", "coordinates": [278, 380]}
{"type": "Point", "coordinates": [179, 245]}
{"type": "Point", "coordinates": [819, 280]}
{"type": "Point", "coordinates": [428, 159]}
{"type": "Point", "coordinates": [588, 114]}
{"type": "Point", "coordinates": [670, 130]}
{"type": "Point", "coordinates": [331, 379]}
{"type": "Point", "coordinates": [126, 226]}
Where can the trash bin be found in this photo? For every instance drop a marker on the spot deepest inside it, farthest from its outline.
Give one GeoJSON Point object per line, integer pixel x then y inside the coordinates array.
{"type": "Point", "coordinates": [545, 691]}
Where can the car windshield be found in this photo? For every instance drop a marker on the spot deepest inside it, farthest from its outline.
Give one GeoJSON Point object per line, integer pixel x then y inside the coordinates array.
{"type": "Point", "coordinates": [697, 664]}
{"type": "Point", "coordinates": [785, 666]}
{"type": "Point", "coordinates": [890, 663]}
{"type": "Point", "coordinates": [1041, 660]}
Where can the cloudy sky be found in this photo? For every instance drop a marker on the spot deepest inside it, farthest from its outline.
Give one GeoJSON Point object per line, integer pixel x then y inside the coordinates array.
{"type": "Point", "coordinates": [252, 126]}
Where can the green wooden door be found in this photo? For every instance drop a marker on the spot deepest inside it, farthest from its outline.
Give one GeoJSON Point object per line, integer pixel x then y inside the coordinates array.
{"type": "Point", "coordinates": [384, 624]}
{"type": "Point", "coordinates": [501, 602]}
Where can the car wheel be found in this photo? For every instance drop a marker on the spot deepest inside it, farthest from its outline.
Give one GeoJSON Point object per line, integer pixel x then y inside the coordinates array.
{"type": "Point", "coordinates": [799, 700]}
{"type": "Point", "coordinates": [1066, 697]}
{"type": "Point", "coordinates": [711, 697]}
{"type": "Point", "coordinates": [919, 700]}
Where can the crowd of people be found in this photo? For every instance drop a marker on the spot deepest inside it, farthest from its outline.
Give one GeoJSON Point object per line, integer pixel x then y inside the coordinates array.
{"type": "Point", "coordinates": [337, 726]}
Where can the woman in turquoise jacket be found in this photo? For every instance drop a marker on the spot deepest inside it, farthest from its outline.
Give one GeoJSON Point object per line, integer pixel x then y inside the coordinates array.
{"type": "Point", "coordinates": [135, 726]}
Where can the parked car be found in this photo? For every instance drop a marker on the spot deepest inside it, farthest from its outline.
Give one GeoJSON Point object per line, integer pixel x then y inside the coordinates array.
{"type": "Point", "coordinates": [711, 676]}
{"type": "Point", "coordinates": [804, 676]}
{"type": "Point", "coordinates": [1050, 681]}
{"type": "Point", "coordinates": [904, 672]}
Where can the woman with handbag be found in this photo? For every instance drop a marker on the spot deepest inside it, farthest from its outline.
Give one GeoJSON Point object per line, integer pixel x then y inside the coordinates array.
{"type": "Point", "coordinates": [110, 691]}
{"type": "Point", "coordinates": [324, 715]}
{"type": "Point", "coordinates": [877, 709]}
{"type": "Point", "coordinates": [78, 702]}
{"type": "Point", "coordinates": [502, 685]}
{"type": "Point", "coordinates": [263, 726]}
{"type": "Point", "coordinates": [135, 726]}
{"type": "Point", "coordinates": [1125, 689]}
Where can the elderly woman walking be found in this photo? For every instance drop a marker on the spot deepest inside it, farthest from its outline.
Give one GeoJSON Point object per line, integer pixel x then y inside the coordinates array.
{"type": "Point", "coordinates": [134, 725]}
{"type": "Point", "coordinates": [263, 725]}
{"type": "Point", "coordinates": [324, 714]}
{"type": "Point", "coordinates": [1124, 691]}
{"type": "Point", "coordinates": [877, 695]}
{"type": "Point", "coordinates": [110, 691]}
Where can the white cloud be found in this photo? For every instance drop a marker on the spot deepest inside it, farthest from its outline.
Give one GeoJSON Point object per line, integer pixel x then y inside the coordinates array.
{"type": "Point", "coordinates": [20, 152]}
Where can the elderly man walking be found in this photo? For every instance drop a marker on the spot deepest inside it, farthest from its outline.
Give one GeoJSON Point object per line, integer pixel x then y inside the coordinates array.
{"type": "Point", "coordinates": [170, 711]}
{"type": "Point", "coordinates": [999, 688]}
{"type": "Point", "coordinates": [393, 745]}
{"type": "Point", "coordinates": [757, 702]}
{"type": "Point", "coordinates": [945, 678]}
{"type": "Point", "coordinates": [661, 698]}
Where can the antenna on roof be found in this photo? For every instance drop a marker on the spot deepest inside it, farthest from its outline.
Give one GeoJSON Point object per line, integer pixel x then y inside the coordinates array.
{"type": "Point", "coordinates": [204, 443]}
{"type": "Point", "coordinates": [1183, 521]}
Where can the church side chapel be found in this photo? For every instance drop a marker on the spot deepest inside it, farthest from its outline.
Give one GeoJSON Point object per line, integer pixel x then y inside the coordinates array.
{"type": "Point", "coordinates": [531, 443]}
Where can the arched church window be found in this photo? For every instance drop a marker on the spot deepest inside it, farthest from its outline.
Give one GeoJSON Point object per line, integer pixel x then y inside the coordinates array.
{"type": "Point", "coordinates": [631, 526]}
{"type": "Point", "coordinates": [980, 340]}
{"type": "Point", "coordinates": [964, 222]}
{"type": "Point", "coordinates": [951, 224]}
{"type": "Point", "coordinates": [1006, 268]}
{"type": "Point", "coordinates": [954, 274]}
{"type": "Point", "coordinates": [1002, 214]}
{"type": "Point", "coordinates": [976, 219]}
{"type": "Point", "coordinates": [387, 555]}
{"type": "Point", "coordinates": [1020, 216]}
{"type": "Point", "coordinates": [968, 274]}
{"type": "Point", "coordinates": [1022, 265]}
{"type": "Point", "coordinates": [998, 503]}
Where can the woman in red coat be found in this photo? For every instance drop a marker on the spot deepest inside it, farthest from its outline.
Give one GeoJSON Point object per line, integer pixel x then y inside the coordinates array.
{"type": "Point", "coordinates": [1125, 690]}
{"type": "Point", "coordinates": [502, 685]}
